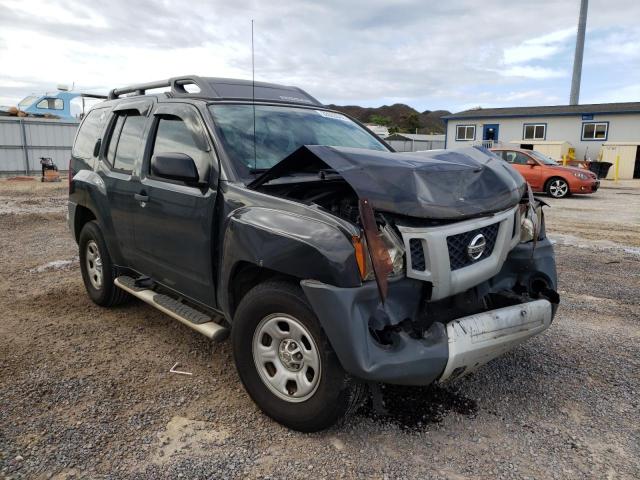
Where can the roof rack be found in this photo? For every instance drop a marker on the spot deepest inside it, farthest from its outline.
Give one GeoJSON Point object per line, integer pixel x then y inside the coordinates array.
{"type": "Point", "coordinates": [176, 83]}
{"type": "Point", "coordinates": [93, 95]}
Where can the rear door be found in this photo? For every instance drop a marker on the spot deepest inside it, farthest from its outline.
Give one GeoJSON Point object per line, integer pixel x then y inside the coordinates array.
{"type": "Point", "coordinates": [174, 222]}
{"type": "Point", "coordinates": [121, 158]}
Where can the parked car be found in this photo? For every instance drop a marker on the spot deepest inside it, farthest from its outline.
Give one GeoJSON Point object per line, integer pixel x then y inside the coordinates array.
{"type": "Point", "coordinates": [544, 174]}
{"type": "Point", "coordinates": [332, 260]}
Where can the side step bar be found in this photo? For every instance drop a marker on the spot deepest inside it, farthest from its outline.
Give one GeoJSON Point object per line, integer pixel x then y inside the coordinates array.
{"type": "Point", "coordinates": [191, 317]}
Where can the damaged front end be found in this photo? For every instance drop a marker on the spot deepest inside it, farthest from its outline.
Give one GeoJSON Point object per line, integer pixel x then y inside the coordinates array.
{"type": "Point", "coordinates": [456, 268]}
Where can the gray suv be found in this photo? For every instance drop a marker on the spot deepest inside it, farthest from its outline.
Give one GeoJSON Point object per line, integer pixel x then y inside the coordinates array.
{"type": "Point", "coordinates": [333, 261]}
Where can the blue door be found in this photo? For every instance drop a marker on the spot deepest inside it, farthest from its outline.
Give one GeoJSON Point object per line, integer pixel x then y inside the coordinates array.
{"type": "Point", "coordinates": [490, 133]}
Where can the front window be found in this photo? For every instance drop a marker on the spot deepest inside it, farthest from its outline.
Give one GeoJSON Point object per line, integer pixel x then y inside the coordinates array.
{"type": "Point", "coordinates": [534, 131]}
{"type": "Point", "coordinates": [174, 135]}
{"type": "Point", "coordinates": [594, 131]}
{"type": "Point", "coordinates": [543, 158]}
{"type": "Point", "coordinates": [465, 132]}
{"type": "Point", "coordinates": [280, 131]}
{"type": "Point", "coordinates": [26, 102]}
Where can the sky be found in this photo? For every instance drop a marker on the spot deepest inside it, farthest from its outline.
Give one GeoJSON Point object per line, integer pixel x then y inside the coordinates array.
{"type": "Point", "coordinates": [431, 55]}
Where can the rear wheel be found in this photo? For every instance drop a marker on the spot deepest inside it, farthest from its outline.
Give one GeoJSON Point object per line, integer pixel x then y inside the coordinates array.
{"type": "Point", "coordinates": [97, 270]}
{"type": "Point", "coordinates": [557, 187]}
{"type": "Point", "coordinates": [286, 362]}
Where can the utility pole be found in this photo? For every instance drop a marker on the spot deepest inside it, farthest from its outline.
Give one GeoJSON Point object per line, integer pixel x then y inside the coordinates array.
{"type": "Point", "coordinates": [577, 59]}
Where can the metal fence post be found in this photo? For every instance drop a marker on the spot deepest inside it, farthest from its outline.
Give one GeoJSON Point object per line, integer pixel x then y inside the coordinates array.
{"type": "Point", "coordinates": [25, 151]}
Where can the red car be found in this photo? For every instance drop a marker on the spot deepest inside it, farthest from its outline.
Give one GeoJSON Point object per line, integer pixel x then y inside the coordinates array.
{"type": "Point", "coordinates": [545, 174]}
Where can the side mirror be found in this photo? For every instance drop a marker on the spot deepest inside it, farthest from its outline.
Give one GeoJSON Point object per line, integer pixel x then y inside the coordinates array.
{"type": "Point", "coordinates": [531, 163]}
{"type": "Point", "coordinates": [175, 166]}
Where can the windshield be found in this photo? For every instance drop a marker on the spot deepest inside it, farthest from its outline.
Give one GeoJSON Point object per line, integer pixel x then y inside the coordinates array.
{"type": "Point", "coordinates": [25, 102]}
{"type": "Point", "coordinates": [279, 131]}
{"type": "Point", "coordinates": [542, 158]}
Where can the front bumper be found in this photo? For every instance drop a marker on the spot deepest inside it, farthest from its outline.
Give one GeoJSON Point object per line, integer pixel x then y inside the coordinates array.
{"type": "Point", "coordinates": [445, 350]}
{"type": "Point", "coordinates": [477, 339]}
{"type": "Point", "coordinates": [585, 186]}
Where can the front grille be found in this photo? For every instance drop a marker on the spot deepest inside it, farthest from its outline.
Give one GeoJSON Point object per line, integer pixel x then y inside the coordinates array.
{"type": "Point", "coordinates": [457, 245]}
{"type": "Point", "coordinates": [417, 255]}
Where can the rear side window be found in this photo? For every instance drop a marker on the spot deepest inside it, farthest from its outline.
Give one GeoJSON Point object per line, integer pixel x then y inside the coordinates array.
{"type": "Point", "coordinates": [174, 136]}
{"type": "Point", "coordinates": [89, 133]}
{"type": "Point", "coordinates": [126, 141]}
{"type": "Point", "coordinates": [51, 103]}
{"type": "Point", "coordinates": [515, 157]}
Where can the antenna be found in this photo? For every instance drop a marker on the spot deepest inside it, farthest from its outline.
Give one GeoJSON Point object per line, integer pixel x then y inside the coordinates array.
{"type": "Point", "coordinates": [253, 99]}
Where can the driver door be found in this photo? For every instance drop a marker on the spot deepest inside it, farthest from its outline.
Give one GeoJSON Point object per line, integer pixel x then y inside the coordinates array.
{"type": "Point", "coordinates": [174, 221]}
{"type": "Point", "coordinates": [527, 167]}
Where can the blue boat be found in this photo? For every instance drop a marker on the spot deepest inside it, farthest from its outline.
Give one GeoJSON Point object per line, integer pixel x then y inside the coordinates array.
{"type": "Point", "coordinates": [56, 105]}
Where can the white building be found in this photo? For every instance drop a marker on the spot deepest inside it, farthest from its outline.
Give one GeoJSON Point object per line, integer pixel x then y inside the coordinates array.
{"type": "Point", "coordinates": [585, 127]}
{"type": "Point", "coordinates": [379, 130]}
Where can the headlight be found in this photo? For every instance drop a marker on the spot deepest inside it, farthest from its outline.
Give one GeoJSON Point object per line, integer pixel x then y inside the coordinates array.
{"type": "Point", "coordinates": [581, 176]}
{"type": "Point", "coordinates": [530, 222]}
{"type": "Point", "coordinates": [395, 249]}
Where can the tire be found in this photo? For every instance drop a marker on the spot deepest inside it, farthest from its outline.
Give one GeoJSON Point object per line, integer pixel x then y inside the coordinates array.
{"type": "Point", "coordinates": [327, 394]}
{"type": "Point", "coordinates": [557, 187]}
{"type": "Point", "coordinates": [97, 270]}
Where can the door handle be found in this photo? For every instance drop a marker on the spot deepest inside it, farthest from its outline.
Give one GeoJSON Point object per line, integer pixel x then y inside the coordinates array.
{"type": "Point", "coordinates": [140, 197]}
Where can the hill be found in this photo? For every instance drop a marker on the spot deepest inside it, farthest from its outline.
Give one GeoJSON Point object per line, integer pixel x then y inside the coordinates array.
{"type": "Point", "coordinates": [398, 117]}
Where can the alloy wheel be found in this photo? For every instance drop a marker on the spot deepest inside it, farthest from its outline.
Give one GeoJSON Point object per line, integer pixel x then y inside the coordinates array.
{"type": "Point", "coordinates": [558, 188]}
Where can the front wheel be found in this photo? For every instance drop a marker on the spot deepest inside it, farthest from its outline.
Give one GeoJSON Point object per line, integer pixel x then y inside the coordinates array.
{"type": "Point", "coordinates": [286, 362]}
{"type": "Point", "coordinates": [558, 188]}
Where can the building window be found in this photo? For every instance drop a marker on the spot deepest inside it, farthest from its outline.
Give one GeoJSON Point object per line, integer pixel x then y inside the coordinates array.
{"type": "Point", "coordinates": [537, 131]}
{"type": "Point", "coordinates": [595, 130]}
{"type": "Point", "coordinates": [465, 132]}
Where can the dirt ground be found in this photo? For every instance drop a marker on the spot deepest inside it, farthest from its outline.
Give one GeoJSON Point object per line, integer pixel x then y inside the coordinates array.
{"type": "Point", "coordinates": [86, 392]}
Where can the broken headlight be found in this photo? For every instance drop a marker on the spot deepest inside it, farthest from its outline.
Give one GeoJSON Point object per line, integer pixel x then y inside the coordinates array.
{"type": "Point", "coordinates": [530, 222]}
{"type": "Point", "coordinates": [394, 249]}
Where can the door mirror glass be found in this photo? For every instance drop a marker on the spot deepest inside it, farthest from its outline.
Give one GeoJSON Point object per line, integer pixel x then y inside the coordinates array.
{"type": "Point", "coordinates": [175, 166]}
{"type": "Point", "coordinates": [531, 163]}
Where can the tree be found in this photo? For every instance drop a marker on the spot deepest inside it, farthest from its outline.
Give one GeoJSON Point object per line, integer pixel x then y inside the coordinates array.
{"type": "Point", "coordinates": [410, 123]}
{"type": "Point", "coordinates": [380, 120]}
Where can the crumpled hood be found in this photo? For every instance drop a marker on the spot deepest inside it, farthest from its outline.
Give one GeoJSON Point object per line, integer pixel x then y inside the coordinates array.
{"type": "Point", "coordinates": [436, 184]}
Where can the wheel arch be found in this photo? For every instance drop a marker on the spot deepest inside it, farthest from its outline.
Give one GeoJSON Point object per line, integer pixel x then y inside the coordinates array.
{"type": "Point", "coordinates": [261, 243]}
{"type": "Point", "coordinates": [82, 216]}
{"type": "Point", "coordinates": [245, 276]}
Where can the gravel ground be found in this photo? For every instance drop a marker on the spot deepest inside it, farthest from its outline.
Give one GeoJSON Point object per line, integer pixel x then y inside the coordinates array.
{"type": "Point", "coordinates": [86, 392]}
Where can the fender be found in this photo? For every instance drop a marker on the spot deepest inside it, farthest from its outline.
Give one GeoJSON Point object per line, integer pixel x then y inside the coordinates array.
{"type": "Point", "coordinates": [288, 243]}
{"type": "Point", "coordinates": [89, 191]}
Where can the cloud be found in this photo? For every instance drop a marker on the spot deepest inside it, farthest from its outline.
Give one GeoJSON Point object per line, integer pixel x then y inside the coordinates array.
{"type": "Point", "coordinates": [539, 48]}
{"type": "Point", "coordinates": [430, 55]}
{"type": "Point", "coordinates": [533, 72]}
